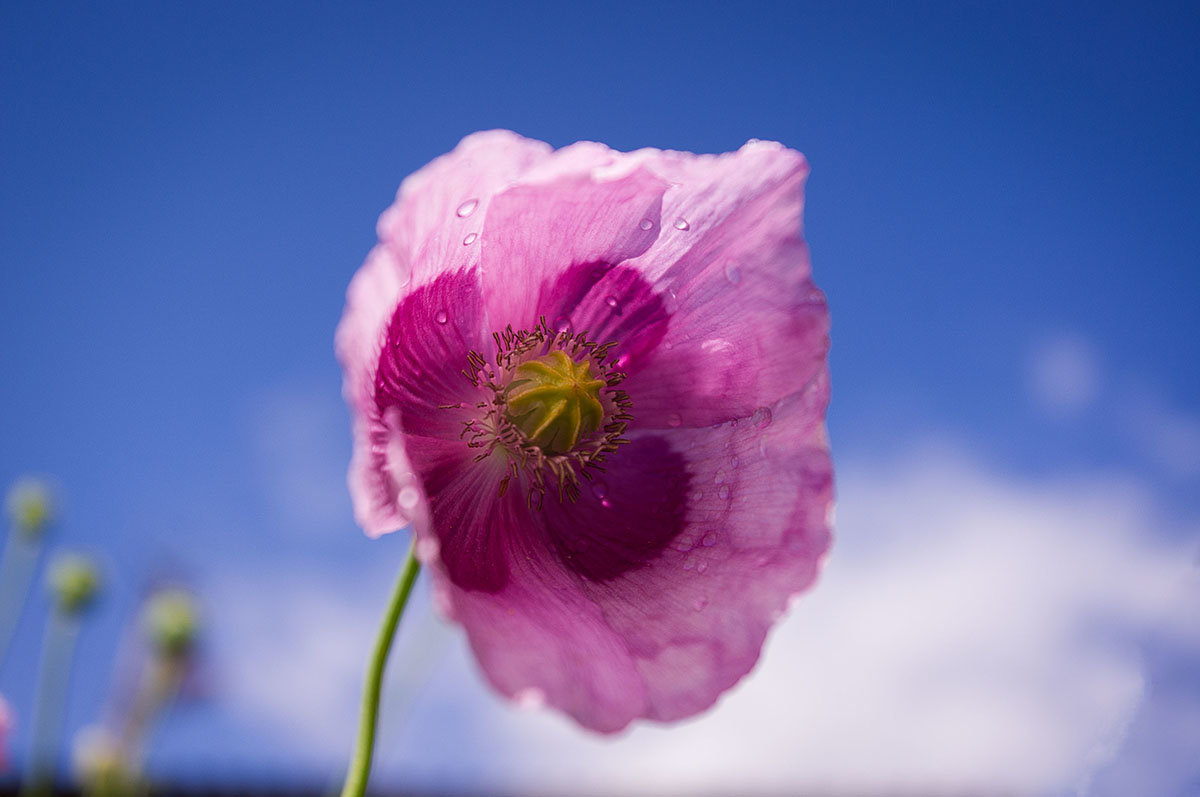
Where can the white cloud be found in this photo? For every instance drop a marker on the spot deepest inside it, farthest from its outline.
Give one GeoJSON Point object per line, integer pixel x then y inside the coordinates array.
{"type": "Point", "coordinates": [1063, 375]}
{"type": "Point", "coordinates": [972, 633]}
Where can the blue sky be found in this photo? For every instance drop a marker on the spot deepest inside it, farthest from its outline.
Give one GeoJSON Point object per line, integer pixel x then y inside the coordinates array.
{"type": "Point", "coordinates": [1002, 212]}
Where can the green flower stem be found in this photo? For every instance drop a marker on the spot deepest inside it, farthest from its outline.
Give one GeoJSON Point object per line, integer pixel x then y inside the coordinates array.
{"type": "Point", "coordinates": [360, 764]}
{"type": "Point", "coordinates": [54, 678]}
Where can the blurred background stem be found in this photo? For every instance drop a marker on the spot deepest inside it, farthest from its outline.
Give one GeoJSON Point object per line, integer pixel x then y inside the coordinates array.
{"type": "Point", "coordinates": [16, 572]}
{"type": "Point", "coordinates": [156, 692]}
{"type": "Point", "coordinates": [54, 678]}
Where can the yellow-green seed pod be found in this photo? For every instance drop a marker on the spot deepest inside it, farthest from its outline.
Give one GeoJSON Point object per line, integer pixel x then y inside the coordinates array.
{"type": "Point", "coordinates": [170, 621]}
{"type": "Point", "coordinates": [555, 401]}
{"type": "Point", "coordinates": [74, 583]}
{"type": "Point", "coordinates": [30, 507]}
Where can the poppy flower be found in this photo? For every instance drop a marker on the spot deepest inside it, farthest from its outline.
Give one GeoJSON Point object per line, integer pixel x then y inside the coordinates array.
{"type": "Point", "coordinates": [595, 384]}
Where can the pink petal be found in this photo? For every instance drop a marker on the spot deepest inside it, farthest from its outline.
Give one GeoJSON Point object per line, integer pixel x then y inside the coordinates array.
{"type": "Point", "coordinates": [559, 217]}
{"type": "Point", "coordinates": [418, 375]}
{"type": "Point", "coordinates": [748, 327]}
{"type": "Point", "coordinates": [421, 236]}
{"type": "Point", "coordinates": [758, 528]}
{"type": "Point", "coordinates": [653, 594]}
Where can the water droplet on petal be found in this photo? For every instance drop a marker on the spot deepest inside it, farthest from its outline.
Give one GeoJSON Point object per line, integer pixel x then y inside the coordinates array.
{"type": "Point", "coordinates": [408, 497]}
{"type": "Point", "coordinates": [611, 301]}
{"type": "Point", "coordinates": [697, 494]}
{"type": "Point", "coordinates": [733, 273]}
{"type": "Point", "coordinates": [681, 224]}
{"type": "Point", "coordinates": [646, 224]}
{"type": "Point", "coordinates": [606, 503]}
{"type": "Point", "coordinates": [671, 302]}
{"type": "Point", "coordinates": [599, 489]}
{"type": "Point", "coordinates": [723, 493]}
{"type": "Point", "coordinates": [734, 462]}
{"type": "Point", "coordinates": [720, 477]}
{"type": "Point", "coordinates": [674, 419]}
{"type": "Point", "coordinates": [709, 540]}
{"type": "Point", "coordinates": [701, 566]}
{"type": "Point", "coordinates": [470, 239]}
{"type": "Point", "coordinates": [467, 208]}
{"type": "Point", "coordinates": [761, 418]}
{"type": "Point", "coordinates": [441, 317]}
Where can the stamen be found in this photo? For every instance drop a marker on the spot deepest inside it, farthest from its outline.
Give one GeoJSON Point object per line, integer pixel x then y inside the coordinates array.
{"type": "Point", "coordinates": [551, 406]}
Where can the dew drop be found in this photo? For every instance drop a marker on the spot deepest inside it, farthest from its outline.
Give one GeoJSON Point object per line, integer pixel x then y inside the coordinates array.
{"type": "Point", "coordinates": [671, 303]}
{"type": "Point", "coordinates": [674, 419]}
{"type": "Point", "coordinates": [599, 489]}
{"type": "Point", "coordinates": [604, 502]}
{"type": "Point", "coordinates": [562, 324]}
{"type": "Point", "coordinates": [467, 208]}
{"type": "Point", "coordinates": [697, 494]}
{"type": "Point", "coordinates": [733, 273]}
{"type": "Point", "coordinates": [723, 492]}
{"type": "Point", "coordinates": [470, 239]}
{"type": "Point", "coordinates": [701, 566]}
{"type": "Point", "coordinates": [646, 224]}
{"type": "Point", "coordinates": [441, 317]}
{"type": "Point", "coordinates": [408, 497]}
{"type": "Point", "coordinates": [734, 462]}
{"type": "Point", "coordinates": [689, 563]}
{"type": "Point", "coordinates": [611, 301]}
{"type": "Point", "coordinates": [761, 418]}
{"type": "Point", "coordinates": [720, 477]}
{"type": "Point", "coordinates": [681, 224]}
{"type": "Point", "coordinates": [709, 540]}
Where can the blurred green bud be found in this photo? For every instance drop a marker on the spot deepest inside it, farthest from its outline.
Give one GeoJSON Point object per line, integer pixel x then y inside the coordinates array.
{"type": "Point", "coordinates": [170, 621]}
{"type": "Point", "coordinates": [74, 583]}
{"type": "Point", "coordinates": [30, 507]}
